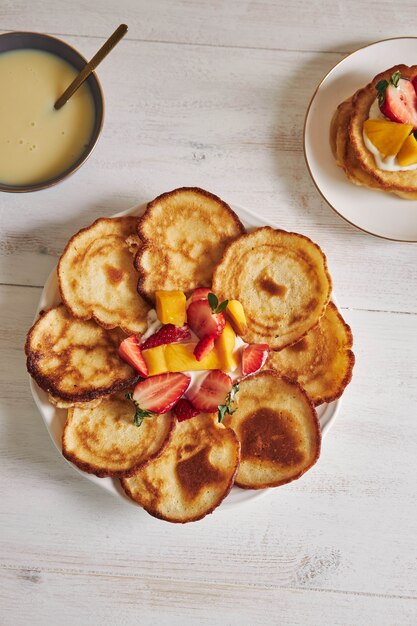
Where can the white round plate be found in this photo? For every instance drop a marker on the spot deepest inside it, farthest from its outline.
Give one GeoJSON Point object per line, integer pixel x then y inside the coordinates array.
{"type": "Point", "coordinates": [375, 212]}
{"type": "Point", "coordinates": [54, 418]}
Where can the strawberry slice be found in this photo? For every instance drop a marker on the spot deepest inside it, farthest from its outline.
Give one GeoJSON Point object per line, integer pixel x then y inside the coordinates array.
{"type": "Point", "coordinates": [254, 357]}
{"type": "Point", "coordinates": [202, 321]}
{"type": "Point", "coordinates": [158, 394]}
{"type": "Point", "coordinates": [398, 100]}
{"type": "Point", "coordinates": [167, 334]}
{"type": "Point", "coordinates": [200, 294]}
{"type": "Point", "coordinates": [204, 346]}
{"type": "Point", "coordinates": [212, 392]}
{"type": "Point", "coordinates": [184, 410]}
{"type": "Point", "coordinates": [130, 351]}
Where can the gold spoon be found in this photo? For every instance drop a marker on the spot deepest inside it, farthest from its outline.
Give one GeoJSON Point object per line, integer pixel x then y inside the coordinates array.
{"type": "Point", "coordinates": [91, 65]}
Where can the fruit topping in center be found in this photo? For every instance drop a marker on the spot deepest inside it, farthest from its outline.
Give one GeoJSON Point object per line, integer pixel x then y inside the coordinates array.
{"type": "Point", "coordinates": [170, 307]}
{"type": "Point", "coordinates": [205, 317]}
{"type": "Point", "coordinates": [211, 392]}
{"type": "Point", "coordinates": [167, 334]}
{"type": "Point", "coordinates": [398, 100]}
{"type": "Point", "coordinates": [408, 153]}
{"type": "Point", "coordinates": [254, 357]}
{"type": "Point", "coordinates": [158, 394]}
{"type": "Point", "coordinates": [130, 351]}
{"type": "Point", "coordinates": [184, 410]}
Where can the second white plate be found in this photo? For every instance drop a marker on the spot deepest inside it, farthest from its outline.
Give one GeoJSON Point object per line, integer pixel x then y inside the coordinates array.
{"type": "Point", "coordinates": [377, 213]}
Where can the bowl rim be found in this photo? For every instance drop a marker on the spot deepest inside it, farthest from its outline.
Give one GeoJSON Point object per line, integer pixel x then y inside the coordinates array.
{"type": "Point", "coordinates": [91, 146]}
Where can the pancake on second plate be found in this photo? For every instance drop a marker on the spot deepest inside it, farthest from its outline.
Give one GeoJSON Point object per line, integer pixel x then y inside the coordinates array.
{"type": "Point", "coordinates": [281, 280]}
{"type": "Point", "coordinates": [278, 430]}
{"type": "Point", "coordinates": [322, 361]}
{"type": "Point", "coordinates": [97, 278]}
{"type": "Point", "coordinates": [76, 361]}
{"type": "Point", "coordinates": [185, 232]}
{"type": "Point", "coordinates": [105, 441]}
{"type": "Point", "coordinates": [193, 474]}
{"type": "Point", "coordinates": [348, 146]}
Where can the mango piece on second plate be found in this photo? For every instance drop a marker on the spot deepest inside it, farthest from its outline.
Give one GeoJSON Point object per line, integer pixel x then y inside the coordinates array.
{"type": "Point", "coordinates": [387, 137]}
{"type": "Point", "coordinates": [408, 153]}
{"type": "Point", "coordinates": [170, 307]}
{"type": "Point", "coordinates": [224, 347]}
{"type": "Point", "coordinates": [236, 315]}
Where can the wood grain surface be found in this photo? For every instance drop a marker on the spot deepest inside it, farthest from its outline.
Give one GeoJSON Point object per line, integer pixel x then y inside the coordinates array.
{"type": "Point", "coordinates": [214, 94]}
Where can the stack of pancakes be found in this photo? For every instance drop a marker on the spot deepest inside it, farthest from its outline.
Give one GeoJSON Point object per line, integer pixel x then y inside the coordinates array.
{"type": "Point", "coordinates": [189, 238]}
{"type": "Point", "coordinates": [348, 147]}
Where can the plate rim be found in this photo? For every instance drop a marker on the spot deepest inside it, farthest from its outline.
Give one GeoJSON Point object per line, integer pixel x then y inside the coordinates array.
{"type": "Point", "coordinates": [331, 411]}
{"type": "Point", "coordinates": [318, 87]}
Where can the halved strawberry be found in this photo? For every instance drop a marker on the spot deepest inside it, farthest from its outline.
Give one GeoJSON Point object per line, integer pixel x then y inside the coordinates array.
{"type": "Point", "coordinates": [398, 100]}
{"type": "Point", "coordinates": [184, 410]}
{"type": "Point", "coordinates": [200, 294]}
{"type": "Point", "coordinates": [130, 351]}
{"type": "Point", "coordinates": [167, 334]}
{"type": "Point", "coordinates": [254, 357]}
{"type": "Point", "coordinates": [158, 394]}
{"type": "Point", "coordinates": [204, 346]}
{"type": "Point", "coordinates": [202, 321]}
{"type": "Point", "coordinates": [212, 392]}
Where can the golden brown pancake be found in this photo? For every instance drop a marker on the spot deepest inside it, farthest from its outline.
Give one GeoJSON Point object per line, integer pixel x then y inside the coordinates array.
{"type": "Point", "coordinates": [322, 361]}
{"type": "Point", "coordinates": [278, 430]}
{"type": "Point", "coordinates": [281, 280]}
{"type": "Point", "coordinates": [105, 441]}
{"type": "Point", "coordinates": [185, 232]}
{"type": "Point", "coordinates": [193, 474]}
{"type": "Point", "coordinates": [76, 361]}
{"type": "Point", "coordinates": [97, 278]}
{"type": "Point", "coordinates": [61, 404]}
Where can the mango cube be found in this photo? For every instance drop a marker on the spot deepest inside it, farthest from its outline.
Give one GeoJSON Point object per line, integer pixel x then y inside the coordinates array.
{"type": "Point", "coordinates": [155, 359]}
{"type": "Point", "coordinates": [408, 153]}
{"type": "Point", "coordinates": [224, 347]}
{"type": "Point", "coordinates": [170, 307]}
{"type": "Point", "coordinates": [236, 315]}
{"type": "Point", "coordinates": [387, 137]}
{"type": "Point", "coordinates": [178, 357]}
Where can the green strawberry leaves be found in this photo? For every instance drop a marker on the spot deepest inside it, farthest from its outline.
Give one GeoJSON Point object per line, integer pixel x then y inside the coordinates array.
{"type": "Point", "coordinates": [214, 303]}
{"type": "Point", "coordinates": [223, 409]}
{"type": "Point", "coordinates": [381, 87]}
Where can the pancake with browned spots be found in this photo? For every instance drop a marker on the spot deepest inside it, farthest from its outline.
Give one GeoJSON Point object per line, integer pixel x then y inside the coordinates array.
{"type": "Point", "coordinates": [193, 474]}
{"type": "Point", "coordinates": [281, 280]}
{"type": "Point", "coordinates": [185, 232]}
{"type": "Point", "coordinates": [75, 360]}
{"type": "Point", "coordinates": [278, 430]}
{"type": "Point", "coordinates": [105, 441]}
{"type": "Point", "coordinates": [322, 361]}
{"type": "Point", "coordinates": [97, 278]}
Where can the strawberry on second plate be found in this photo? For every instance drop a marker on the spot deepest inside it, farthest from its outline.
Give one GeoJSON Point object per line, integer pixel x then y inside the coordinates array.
{"type": "Point", "coordinates": [212, 392]}
{"type": "Point", "coordinates": [203, 321]}
{"type": "Point", "coordinates": [167, 334]}
{"type": "Point", "coordinates": [254, 357]}
{"type": "Point", "coordinates": [130, 351]}
{"type": "Point", "coordinates": [398, 100]}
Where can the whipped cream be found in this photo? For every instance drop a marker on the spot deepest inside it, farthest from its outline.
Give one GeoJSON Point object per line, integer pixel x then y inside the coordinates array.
{"type": "Point", "coordinates": [389, 163]}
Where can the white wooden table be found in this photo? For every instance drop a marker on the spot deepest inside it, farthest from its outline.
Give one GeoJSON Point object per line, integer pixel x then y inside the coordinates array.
{"type": "Point", "coordinates": [213, 94]}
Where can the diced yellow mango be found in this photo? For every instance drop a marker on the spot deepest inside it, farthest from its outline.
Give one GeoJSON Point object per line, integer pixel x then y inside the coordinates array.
{"type": "Point", "coordinates": [224, 347]}
{"type": "Point", "coordinates": [155, 359]}
{"type": "Point", "coordinates": [170, 307]}
{"type": "Point", "coordinates": [236, 315]}
{"type": "Point", "coordinates": [178, 357]}
{"type": "Point", "coordinates": [387, 137]}
{"type": "Point", "coordinates": [408, 153]}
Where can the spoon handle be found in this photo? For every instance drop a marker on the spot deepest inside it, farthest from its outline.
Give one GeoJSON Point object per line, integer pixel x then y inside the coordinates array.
{"type": "Point", "coordinates": [91, 65]}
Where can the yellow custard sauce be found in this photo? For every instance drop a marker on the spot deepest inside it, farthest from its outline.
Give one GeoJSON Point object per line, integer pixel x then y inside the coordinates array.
{"type": "Point", "coordinates": [37, 143]}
